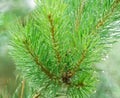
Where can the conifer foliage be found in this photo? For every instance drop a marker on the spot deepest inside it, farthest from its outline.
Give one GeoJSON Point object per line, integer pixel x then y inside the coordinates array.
{"type": "Point", "coordinates": [57, 45]}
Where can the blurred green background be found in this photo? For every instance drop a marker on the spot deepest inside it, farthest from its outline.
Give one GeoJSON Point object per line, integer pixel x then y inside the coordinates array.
{"type": "Point", "coordinates": [10, 83]}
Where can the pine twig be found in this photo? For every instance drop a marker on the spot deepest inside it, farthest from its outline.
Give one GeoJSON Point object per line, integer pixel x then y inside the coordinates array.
{"type": "Point", "coordinates": [36, 95]}
{"type": "Point", "coordinates": [80, 11]}
{"type": "Point", "coordinates": [104, 18]}
{"type": "Point", "coordinates": [53, 37]}
{"type": "Point", "coordinates": [36, 59]}
{"type": "Point", "coordinates": [22, 89]}
{"type": "Point", "coordinates": [72, 72]}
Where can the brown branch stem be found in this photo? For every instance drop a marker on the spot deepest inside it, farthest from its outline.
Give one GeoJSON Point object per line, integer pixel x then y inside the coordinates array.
{"type": "Point", "coordinates": [22, 89]}
{"type": "Point", "coordinates": [104, 18]}
{"type": "Point", "coordinates": [73, 72]}
{"type": "Point", "coordinates": [79, 14]}
{"type": "Point", "coordinates": [81, 84]}
{"type": "Point", "coordinates": [36, 95]}
{"type": "Point", "coordinates": [53, 38]}
{"type": "Point", "coordinates": [36, 59]}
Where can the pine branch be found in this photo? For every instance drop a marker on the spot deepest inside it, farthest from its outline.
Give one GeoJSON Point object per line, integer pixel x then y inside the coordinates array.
{"type": "Point", "coordinates": [36, 59]}
{"type": "Point", "coordinates": [78, 51]}
{"type": "Point", "coordinates": [78, 63]}
{"type": "Point", "coordinates": [79, 14]}
{"type": "Point", "coordinates": [110, 12]}
{"type": "Point", "coordinates": [66, 78]}
{"type": "Point", "coordinates": [53, 37]}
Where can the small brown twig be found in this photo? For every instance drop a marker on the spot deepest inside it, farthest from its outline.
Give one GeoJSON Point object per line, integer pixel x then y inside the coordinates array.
{"type": "Point", "coordinates": [22, 88]}
{"type": "Point", "coordinates": [79, 14]}
{"type": "Point", "coordinates": [80, 84]}
{"type": "Point", "coordinates": [53, 37]}
{"type": "Point", "coordinates": [105, 17]}
{"type": "Point", "coordinates": [36, 59]}
{"type": "Point", "coordinates": [72, 72]}
{"type": "Point", "coordinates": [36, 95]}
